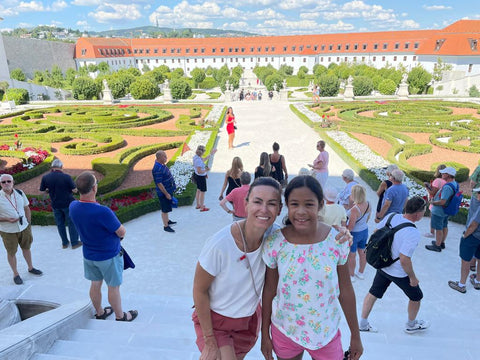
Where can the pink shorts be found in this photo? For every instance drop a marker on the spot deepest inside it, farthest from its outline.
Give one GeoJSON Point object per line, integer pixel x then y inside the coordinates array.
{"type": "Point", "coordinates": [240, 333]}
{"type": "Point", "coordinates": [285, 348]}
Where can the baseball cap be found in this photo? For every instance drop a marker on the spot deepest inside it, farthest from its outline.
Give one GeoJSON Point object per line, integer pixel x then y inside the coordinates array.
{"type": "Point", "coordinates": [476, 189]}
{"type": "Point", "coordinates": [330, 194]}
{"type": "Point", "coordinates": [449, 170]}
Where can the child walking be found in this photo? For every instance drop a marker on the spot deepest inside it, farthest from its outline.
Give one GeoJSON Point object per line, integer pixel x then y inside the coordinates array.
{"type": "Point", "coordinates": [307, 281]}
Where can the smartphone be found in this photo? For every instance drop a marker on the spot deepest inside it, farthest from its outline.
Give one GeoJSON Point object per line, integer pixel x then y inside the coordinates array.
{"type": "Point", "coordinates": [427, 185]}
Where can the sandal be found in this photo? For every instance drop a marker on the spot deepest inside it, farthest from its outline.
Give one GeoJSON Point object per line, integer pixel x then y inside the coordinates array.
{"type": "Point", "coordinates": [473, 268]}
{"type": "Point", "coordinates": [133, 313]}
{"type": "Point", "coordinates": [107, 311]}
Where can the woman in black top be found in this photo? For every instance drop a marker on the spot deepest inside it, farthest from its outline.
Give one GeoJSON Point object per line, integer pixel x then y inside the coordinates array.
{"type": "Point", "coordinates": [278, 162]}
{"type": "Point", "coordinates": [264, 168]}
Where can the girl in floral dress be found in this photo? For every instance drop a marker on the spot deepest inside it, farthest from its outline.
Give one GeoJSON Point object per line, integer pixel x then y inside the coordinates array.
{"type": "Point", "coordinates": [307, 283]}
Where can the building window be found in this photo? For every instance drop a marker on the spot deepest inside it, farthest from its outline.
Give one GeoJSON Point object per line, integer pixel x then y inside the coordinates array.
{"type": "Point", "coordinates": [363, 58]}
{"type": "Point", "coordinates": [214, 60]}
{"type": "Point", "coordinates": [470, 67]}
{"type": "Point", "coordinates": [293, 48]}
{"type": "Point", "coordinates": [339, 47]}
{"type": "Point", "coordinates": [329, 59]}
{"type": "Point", "coordinates": [364, 46]}
{"type": "Point", "coordinates": [315, 48]}
{"type": "Point", "coordinates": [414, 57]}
{"type": "Point", "coordinates": [195, 61]}
{"type": "Point", "coordinates": [203, 50]}
{"type": "Point", "coordinates": [147, 51]}
{"type": "Point", "coordinates": [404, 58]}
{"type": "Point", "coordinates": [135, 51]}
{"type": "Point", "coordinates": [222, 50]}
{"type": "Point", "coordinates": [84, 51]}
{"type": "Point", "coordinates": [304, 59]}
{"type": "Point", "coordinates": [385, 46]}
{"type": "Point", "coordinates": [252, 49]}
{"type": "Point", "coordinates": [243, 49]}
{"type": "Point", "coordinates": [164, 51]}
{"type": "Point", "coordinates": [375, 46]}
{"type": "Point", "coordinates": [407, 45]}
{"type": "Point", "coordinates": [354, 58]}
{"type": "Point", "coordinates": [187, 50]}
{"type": "Point", "coordinates": [293, 59]}
{"type": "Point", "coordinates": [330, 47]}
{"type": "Point", "coordinates": [266, 48]}
{"type": "Point", "coordinates": [323, 47]}
{"type": "Point", "coordinates": [236, 50]}
{"type": "Point", "coordinates": [273, 48]}
{"type": "Point", "coordinates": [179, 50]}
{"type": "Point", "coordinates": [438, 44]}
{"type": "Point", "coordinates": [397, 46]}
{"type": "Point", "coordinates": [347, 46]}
{"type": "Point", "coordinates": [321, 59]}
{"type": "Point", "coordinates": [300, 48]}
{"type": "Point", "coordinates": [394, 58]}
{"type": "Point", "coordinates": [223, 60]}
{"type": "Point", "coordinates": [156, 61]}
{"type": "Point", "coordinates": [230, 50]}
{"type": "Point", "coordinates": [172, 50]}
{"type": "Point", "coordinates": [383, 58]}
{"type": "Point", "coordinates": [188, 60]}
{"type": "Point", "coordinates": [355, 47]}
{"type": "Point", "coordinates": [259, 49]}
{"type": "Point", "coordinates": [338, 59]}
{"type": "Point", "coordinates": [236, 59]}
{"type": "Point", "coordinates": [346, 59]}
{"type": "Point", "coordinates": [374, 58]}
{"type": "Point", "coordinates": [101, 52]}
{"type": "Point", "coordinates": [243, 59]}
{"type": "Point", "coordinates": [155, 51]}
{"type": "Point", "coordinates": [473, 44]}
{"type": "Point", "coordinates": [415, 46]}
{"type": "Point", "coordinates": [213, 50]}
{"type": "Point", "coordinates": [284, 48]}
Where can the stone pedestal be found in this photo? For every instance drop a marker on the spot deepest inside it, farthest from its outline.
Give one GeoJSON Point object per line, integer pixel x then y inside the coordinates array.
{"type": "Point", "coordinates": [283, 95]}
{"type": "Point", "coordinates": [228, 95]}
{"type": "Point", "coordinates": [403, 91]}
{"type": "Point", "coordinates": [167, 95]}
{"type": "Point", "coordinates": [348, 94]}
{"type": "Point", "coordinates": [107, 96]}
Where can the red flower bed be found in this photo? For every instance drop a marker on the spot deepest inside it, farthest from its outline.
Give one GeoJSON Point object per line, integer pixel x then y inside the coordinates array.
{"type": "Point", "coordinates": [36, 157]}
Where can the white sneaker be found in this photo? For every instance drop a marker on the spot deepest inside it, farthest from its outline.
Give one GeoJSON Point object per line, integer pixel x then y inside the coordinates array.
{"type": "Point", "coordinates": [352, 279]}
{"type": "Point", "coordinates": [360, 275]}
{"type": "Point", "coordinates": [429, 235]}
{"type": "Point", "coordinates": [369, 328]}
{"type": "Point", "coordinates": [418, 326]}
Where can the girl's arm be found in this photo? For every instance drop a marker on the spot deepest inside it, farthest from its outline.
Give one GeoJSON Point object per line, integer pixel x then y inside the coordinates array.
{"type": "Point", "coordinates": [201, 299]}
{"type": "Point", "coordinates": [348, 303]}
{"type": "Point", "coordinates": [224, 186]}
{"type": "Point", "coordinates": [269, 290]}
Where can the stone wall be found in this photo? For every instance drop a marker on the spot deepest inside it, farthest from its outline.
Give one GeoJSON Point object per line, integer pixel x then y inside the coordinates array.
{"type": "Point", "coordinates": [31, 55]}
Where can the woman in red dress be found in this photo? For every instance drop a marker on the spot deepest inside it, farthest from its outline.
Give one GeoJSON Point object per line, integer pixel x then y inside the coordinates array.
{"type": "Point", "coordinates": [230, 127]}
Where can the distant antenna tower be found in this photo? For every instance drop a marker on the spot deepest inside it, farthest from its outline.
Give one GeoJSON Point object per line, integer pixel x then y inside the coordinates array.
{"type": "Point", "coordinates": [156, 19]}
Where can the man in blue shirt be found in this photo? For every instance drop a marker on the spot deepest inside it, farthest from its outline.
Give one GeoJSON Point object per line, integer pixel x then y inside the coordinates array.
{"type": "Point", "coordinates": [60, 187]}
{"type": "Point", "coordinates": [395, 197]}
{"type": "Point", "coordinates": [439, 218]}
{"type": "Point", "coordinates": [165, 187]}
{"type": "Point", "coordinates": [469, 249]}
{"type": "Point", "coordinates": [101, 232]}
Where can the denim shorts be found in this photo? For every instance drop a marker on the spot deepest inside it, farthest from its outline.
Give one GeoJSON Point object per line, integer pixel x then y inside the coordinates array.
{"type": "Point", "coordinates": [469, 247]}
{"type": "Point", "coordinates": [110, 270]}
{"type": "Point", "coordinates": [439, 222]}
{"type": "Point", "coordinates": [359, 240]}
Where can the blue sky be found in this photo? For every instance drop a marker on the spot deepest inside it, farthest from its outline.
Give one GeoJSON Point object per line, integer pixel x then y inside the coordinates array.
{"type": "Point", "coordinates": [265, 17]}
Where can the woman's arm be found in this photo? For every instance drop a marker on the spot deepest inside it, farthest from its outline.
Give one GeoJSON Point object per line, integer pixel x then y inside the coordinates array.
{"type": "Point", "coordinates": [269, 290]}
{"type": "Point", "coordinates": [224, 186]}
{"type": "Point", "coordinates": [223, 204]}
{"type": "Point", "coordinates": [284, 167]}
{"type": "Point", "coordinates": [201, 299]}
{"type": "Point", "coordinates": [382, 188]}
{"type": "Point", "coordinates": [348, 304]}
{"type": "Point", "coordinates": [354, 215]}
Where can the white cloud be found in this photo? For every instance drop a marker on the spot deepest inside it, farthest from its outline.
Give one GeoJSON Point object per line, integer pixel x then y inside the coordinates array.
{"type": "Point", "coordinates": [410, 24]}
{"type": "Point", "coordinates": [233, 13]}
{"type": "Point", "coordinates": [356, 5]}
{"type": "Point", "coordinates": [238, 25]}
{"type": "Point", "coordinates": [186, 15]}
{"type": "Point", "coordinates": [295, 4]}
{"type": "Point", "coordinates": [309, 15]}
{"type": "Point", "coordinates": [34, 6]}
{"type": "Point", "coordinates": [57, 6]}
{"type": "Point", "coordinates": [107, 13]}
{"type": "Point", "coordinates": [436, 7]}
{"type": "Point", "coordinates": [86, 2]}
{"type": "Point", "coordinates": [82, 23]}
{"type": "Point", "coordinates": [266, 14]}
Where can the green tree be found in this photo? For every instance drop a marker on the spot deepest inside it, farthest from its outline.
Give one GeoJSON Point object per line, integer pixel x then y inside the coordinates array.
{"type": "Point", "coordinates": [198, 75]}
{"type": "Point", "coordinates": [145, 68]}
{"type": "Point", "coordinates": [20, 96]}
{"type": "Point", "coordinates": [286, 70]}
{"type": "Point", "coordinates": [92, 68]}
{"type": "Point", "coordinates": [18, 74]}
{"type": "Point", "coordinates": [330, 84]}
{"type": "Point", "coordinates": [439, 68]}
{"type": "Point", "coordinates": [237, 71]}
{"type": "Point", "coordinates": [144, 88]}
{"type": "Point", "coordinates": [84, 88]}
{"type": "Point", "coordinates": [70, 75]}
{"type": "Point", "coordinates": [362, 86]}
{"type": "Point", "coordinates": [272, 79]}
{"type": "Point", "coordinates": [134, 71]}
{"type": "Point", "coordinates": [180, 89]}
{"type": "Point", "coordinates": [103, 67]}
{"type": "Point", "coordinates": [119, 83]}
{"type": "Point", "coordinates": [38, 77]}
{"type": "Point", "coordinates": [387, 87]}
{"type": "Point", "coordinates": [158, 75]}
{"type": "Point", "coordinates": [473, 91]}
{"type": "Point", "coordinates": [304, 69]}
{"type": "Point", "coordinates": [319, 70]}
{"type": "Point", "coordinates": [418, 80]}
{"type": "Point", "coordinates": [177, 73]}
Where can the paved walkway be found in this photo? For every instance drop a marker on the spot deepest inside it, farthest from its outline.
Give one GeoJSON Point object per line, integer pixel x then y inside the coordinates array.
{"type": "Point", "coordinates": [166, 262]}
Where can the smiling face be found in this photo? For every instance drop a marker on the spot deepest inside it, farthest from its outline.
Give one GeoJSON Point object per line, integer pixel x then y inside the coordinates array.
{"type": "Point", "coordinates": [303, 207]}
{"type": "Point", "coordinates": [263, 206]}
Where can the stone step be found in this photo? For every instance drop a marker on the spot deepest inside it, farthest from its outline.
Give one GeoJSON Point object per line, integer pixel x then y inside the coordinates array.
{"type": "Point", "coordinates": [55, 357]}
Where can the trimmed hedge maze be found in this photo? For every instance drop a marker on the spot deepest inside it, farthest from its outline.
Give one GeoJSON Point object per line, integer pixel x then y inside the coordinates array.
{"type": "Point", "coordinates": [98, 130]}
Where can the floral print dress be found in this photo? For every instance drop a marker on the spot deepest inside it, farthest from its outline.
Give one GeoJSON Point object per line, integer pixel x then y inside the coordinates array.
{"type": "Point", "coordinates": [306, 307]}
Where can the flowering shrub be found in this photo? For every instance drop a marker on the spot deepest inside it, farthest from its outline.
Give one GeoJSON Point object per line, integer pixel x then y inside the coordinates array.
{"type": "Point", "coordinates": [32, 158]}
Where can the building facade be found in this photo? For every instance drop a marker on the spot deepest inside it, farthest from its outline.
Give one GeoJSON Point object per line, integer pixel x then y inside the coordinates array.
{"type": "Point", "coordinates": [456, 45]}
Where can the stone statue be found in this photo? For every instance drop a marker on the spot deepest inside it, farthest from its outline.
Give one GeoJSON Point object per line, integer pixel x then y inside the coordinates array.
{"type": "Point", "coordinates": [275, 87]}
{"type": "Point", "coordinates": [350, 80]}
{"type": "Point", "coordinates": [166, 84]}
{"type": "Point", "coordinates": [404, 78]}
{"type": "Point", "coordinates": [105, 85]}
{"type": "Point", "coordinates": [284, 83]}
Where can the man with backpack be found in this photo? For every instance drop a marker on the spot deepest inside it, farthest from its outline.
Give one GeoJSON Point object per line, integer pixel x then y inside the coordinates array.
{"type": "Point", "coordinates": [400, 272]}
{"type": "Point", "coordinates": [440, 201]}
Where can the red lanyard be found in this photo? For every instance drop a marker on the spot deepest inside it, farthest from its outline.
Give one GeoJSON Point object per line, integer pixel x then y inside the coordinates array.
{"type": "Point", "coordinates": [10, 201]}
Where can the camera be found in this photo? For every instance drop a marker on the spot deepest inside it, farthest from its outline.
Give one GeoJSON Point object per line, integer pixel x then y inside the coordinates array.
{"type": "Point", "coordinates": [20, 220]}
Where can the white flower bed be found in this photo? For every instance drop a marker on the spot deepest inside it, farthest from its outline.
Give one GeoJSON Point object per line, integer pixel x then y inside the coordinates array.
{"type": "Point", "coordinates": [182, 170]}
{"type": "Point", "coordinates": [363, 154]}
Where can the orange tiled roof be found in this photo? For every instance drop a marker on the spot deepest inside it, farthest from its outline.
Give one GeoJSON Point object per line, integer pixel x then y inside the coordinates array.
{"type": "Point", "coordinates": [415, 41]}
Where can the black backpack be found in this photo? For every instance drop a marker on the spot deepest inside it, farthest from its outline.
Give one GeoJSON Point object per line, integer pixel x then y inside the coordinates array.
{"type": "Point", "coordinates": [379, 247]}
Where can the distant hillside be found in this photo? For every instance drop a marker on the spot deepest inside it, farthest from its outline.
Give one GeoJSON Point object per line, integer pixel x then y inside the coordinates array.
{"type": "Point", "coordinates": [154, 31]}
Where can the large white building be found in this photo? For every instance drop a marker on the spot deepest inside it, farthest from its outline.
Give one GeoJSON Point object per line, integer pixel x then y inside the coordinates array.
{"type": "Point", "coordinates": [457, 44]}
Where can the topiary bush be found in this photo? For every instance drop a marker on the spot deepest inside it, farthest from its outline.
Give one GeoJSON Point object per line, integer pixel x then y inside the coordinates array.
{"type": "Point", "coordinates": [362, 86]}
{"type": "Point", "coordinates": [180, 89]}
{"type": "Point", "coordinates": [387, 87]}
{"type": "Point", "coordinates": [20, 96]}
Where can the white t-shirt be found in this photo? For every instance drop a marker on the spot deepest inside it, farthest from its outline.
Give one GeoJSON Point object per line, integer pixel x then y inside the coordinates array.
{"type": "Point", "coordinates": [198, 163]}
{"type": "Point", "coordinates": [405, 242]}
{"type": "Point", "coordinates": [13, 209]}
{"type": "Point", "coordinates": [232, 293]}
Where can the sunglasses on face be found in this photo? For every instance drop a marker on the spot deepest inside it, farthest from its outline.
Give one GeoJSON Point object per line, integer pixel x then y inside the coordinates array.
{"type": "Point", "coordinates": [6, 181]}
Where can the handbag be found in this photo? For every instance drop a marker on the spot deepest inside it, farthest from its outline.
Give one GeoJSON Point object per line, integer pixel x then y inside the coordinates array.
{"type": "Point", "coordinates": [235, 127]}
{"type": "Point", "coordinates": [127, 260]}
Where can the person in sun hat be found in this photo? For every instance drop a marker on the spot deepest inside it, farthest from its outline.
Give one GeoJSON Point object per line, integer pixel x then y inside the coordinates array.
{"type": "Point", "coordinates": [395, 196]}
{"type": "Point", "coordinates": [15, 227]}
{"type": "Point", "coordinates": [469, 248]}
{"type": "Point", "coordinates": [332, 213]}
{"type": "Point", "coordinates": [439, 218]}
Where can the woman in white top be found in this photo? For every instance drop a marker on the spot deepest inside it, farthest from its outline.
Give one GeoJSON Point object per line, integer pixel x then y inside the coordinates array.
{"type": "Point", "coordinates": [229, 278]}
{"type": "Point", "coordinates": [358, 216]}
{"type": "Point", "coordinates": [320, 164]}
